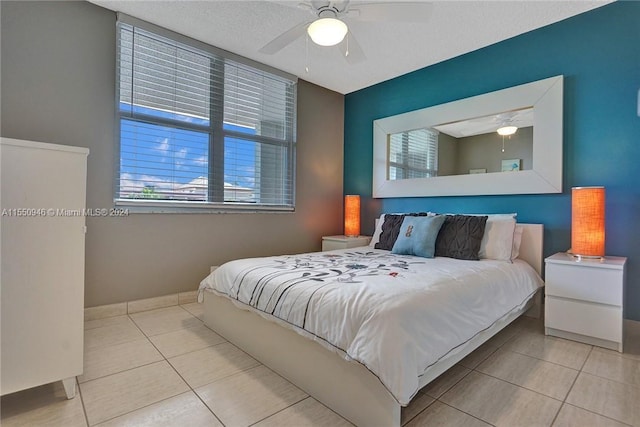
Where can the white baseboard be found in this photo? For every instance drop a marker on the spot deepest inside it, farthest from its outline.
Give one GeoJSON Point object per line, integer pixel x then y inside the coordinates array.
{"type": "Point", "coordinates": [136, 306]}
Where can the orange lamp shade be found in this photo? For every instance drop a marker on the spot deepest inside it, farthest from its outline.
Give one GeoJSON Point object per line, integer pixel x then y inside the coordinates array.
{"type": "Point", "coordinates": [587, 221]}
{"type": "Point", "coordinates": [351, 216]}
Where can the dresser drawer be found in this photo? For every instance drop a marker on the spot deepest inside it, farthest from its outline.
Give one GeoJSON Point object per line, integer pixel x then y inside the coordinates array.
{"type": "Point", "coordinates": [599, 321]}
{"type": "Point", "coordinates": [600, 285]}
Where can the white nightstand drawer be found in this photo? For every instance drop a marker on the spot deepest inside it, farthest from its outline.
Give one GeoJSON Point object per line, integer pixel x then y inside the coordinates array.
{"type": "Point", "coordinates": [330, 243]}
{"type": "Point", "coordinates": [599, 321]}
{"type": "Point", "coordinates": [598, 285]}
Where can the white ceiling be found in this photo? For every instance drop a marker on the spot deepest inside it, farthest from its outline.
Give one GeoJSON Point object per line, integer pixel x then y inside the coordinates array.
{"type": "Point", "coordinates": [391, 48]}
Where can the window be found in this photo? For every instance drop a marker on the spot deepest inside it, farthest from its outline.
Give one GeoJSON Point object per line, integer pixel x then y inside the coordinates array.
{"type": "Point", "coordinates": [200, 129]}
{"type": "Point", "coordinates": [413, 154]}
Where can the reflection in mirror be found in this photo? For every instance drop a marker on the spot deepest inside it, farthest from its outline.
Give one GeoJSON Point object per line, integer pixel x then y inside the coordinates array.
{"type": "Point", "coordinates": [413, 154]}
{"type": "Point", "coordinates": [464, 147]}
{"type": "Point", "coordinates": [433, 151]}
{"type": "Point", "coordinates": [475, 146]}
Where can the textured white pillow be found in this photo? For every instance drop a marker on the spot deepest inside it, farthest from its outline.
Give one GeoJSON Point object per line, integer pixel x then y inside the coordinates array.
{"type": "Point", "coordinates": [517, 239]}
{"type": "Point", "coordinates": [498, 240]}
{"type": "Point", "coordinates": [377, 232]}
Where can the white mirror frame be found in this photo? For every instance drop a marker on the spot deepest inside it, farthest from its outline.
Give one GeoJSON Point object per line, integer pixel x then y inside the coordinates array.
{"type": "Point", "coordinates": [546, 98]}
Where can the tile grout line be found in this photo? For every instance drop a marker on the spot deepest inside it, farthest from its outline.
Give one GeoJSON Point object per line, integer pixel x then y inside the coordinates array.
{"type": "Point", "coordinates": [130, 369]}
{"type": "Point", "coordinates": [164, 358]}
{"type": "Point", "coordinates": [123, 342]}
{"type": "Point", "coordinates": [548, 361]}
{"type": "Point", "coordinates": [137, 409]}
{"type": "Point", "coordinates": [235, 373]}
{"type": "Point", "coordinates": [78, 382]}
{"type": "Point", "coordinates": [564, 401]}
{"type": "Point", "coordinates": [527, 388]}
{"type": "Point", "coordinates": [416, 415]}
{"type": "Point", "coordinates": [519, 386]}
{"type": "Point", "coordinates": [609, 379]}
{"type": "Point", "coordinates": [238, 372]}
{"type": "Point", "coordinates": [595, 413]}
{"type": "Point", "coordinates": [437, 399]}
{"type": "Point", "coordinates": [464, 412]}
{"type": "Point", "coordinates": [191, 389]}
{"type": "Point", "coordinates": [285, 408]}
{"type": "Point", "coordinates": [84, 410]}
{"type": "Point", "coordinates": [516, 385]}
{"type": "Point", "coordinates": [593, 349]}
{"type": "Point", "coordinates": [119, 372]}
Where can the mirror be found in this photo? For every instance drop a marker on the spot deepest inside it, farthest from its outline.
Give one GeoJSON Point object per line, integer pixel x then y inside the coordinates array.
{"type": "Point", "coordinates": [454, 149]}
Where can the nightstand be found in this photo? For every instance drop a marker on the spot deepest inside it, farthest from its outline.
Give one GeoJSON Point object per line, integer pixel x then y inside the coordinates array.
{"type": "Point", "coordinates": [330, 243]}
{"type": "Point", "coordinates": [584, 300]}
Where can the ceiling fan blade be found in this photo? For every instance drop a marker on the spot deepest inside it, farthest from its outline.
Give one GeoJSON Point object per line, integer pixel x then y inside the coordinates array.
{"type": "Point", "coordinates": [486, 128]}
{"type": "Point", "coordinates": [293, 4]}
{"type": "Point", "coordinates": [351, 50]}
{"type": "Point", "coordinates": [392, 11]}
{"type": "Point", "coordinates": [284, 39]}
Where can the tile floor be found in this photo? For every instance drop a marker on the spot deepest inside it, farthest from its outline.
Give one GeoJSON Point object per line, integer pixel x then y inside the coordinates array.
{"type": "Point", "coordinates": [163, 367]}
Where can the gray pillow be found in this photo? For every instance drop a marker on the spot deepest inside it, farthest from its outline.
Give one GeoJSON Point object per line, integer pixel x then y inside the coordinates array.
{"type": "Point", "coordinates": [460, 237]}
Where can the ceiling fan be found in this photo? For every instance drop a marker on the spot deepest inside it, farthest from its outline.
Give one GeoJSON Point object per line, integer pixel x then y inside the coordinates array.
{"type": "Point", "coordinates": [505, 124]}
{"type": "Point", "coordinates": [329, 28]}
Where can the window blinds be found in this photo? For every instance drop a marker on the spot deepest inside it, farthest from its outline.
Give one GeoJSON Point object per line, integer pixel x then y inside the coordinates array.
{"type": "Point", "coordinates": [201, 129]}
{"type": "Point", "coordinates": [413, 154]}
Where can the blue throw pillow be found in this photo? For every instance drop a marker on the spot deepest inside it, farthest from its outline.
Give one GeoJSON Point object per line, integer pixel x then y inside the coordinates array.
{"type": "Point", "coordinates": [418, 236]}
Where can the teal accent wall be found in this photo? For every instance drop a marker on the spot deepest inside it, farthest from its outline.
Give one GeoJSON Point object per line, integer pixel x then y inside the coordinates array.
{"type": "Point", "coordinates": [598, 53]}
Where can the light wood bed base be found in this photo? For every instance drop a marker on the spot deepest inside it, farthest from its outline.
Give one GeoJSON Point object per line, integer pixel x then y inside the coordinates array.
{"type": "Point", "coordinates": [344, 386]}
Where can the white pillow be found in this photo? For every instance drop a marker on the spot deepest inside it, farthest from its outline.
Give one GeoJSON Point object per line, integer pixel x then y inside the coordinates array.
{"type": "Point", "coordinates": [498, 240]}
{"type": "Point", "coordinates": [377, 232]}
{"type": "Point", "coordinates": [517, 239]}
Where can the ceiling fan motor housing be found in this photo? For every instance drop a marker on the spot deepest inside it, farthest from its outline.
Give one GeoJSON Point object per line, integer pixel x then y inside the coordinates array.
{"type": "Point", "coordinates": [330, 9]}
{"type": "Point", "coordinates": [327, 12]}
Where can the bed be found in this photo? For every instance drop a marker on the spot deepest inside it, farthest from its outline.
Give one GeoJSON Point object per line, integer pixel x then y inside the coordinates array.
{"type": "Point", "coordinates": [367, 380]}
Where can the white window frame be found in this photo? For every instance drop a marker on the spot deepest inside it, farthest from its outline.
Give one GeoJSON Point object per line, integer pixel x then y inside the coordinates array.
{"type": "Point", "coordinates": [217, 136]}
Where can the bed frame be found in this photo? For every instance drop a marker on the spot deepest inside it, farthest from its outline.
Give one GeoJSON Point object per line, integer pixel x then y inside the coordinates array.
{"type": "Point", "coordinates": [346, 387]}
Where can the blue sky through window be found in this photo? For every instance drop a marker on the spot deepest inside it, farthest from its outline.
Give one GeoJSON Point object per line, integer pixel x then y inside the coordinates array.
{"type": "Point", "coordinates": [172, 163]}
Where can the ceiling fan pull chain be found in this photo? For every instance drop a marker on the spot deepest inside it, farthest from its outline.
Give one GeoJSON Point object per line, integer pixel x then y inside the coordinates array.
{"type": "Point", "coordinates": [306, 54]}
{"type": "Point", "coordinates": [347, 51]}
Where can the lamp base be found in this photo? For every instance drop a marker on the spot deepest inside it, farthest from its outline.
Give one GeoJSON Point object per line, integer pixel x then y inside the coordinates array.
{"type": "Point", "coordinates": [579, 258]}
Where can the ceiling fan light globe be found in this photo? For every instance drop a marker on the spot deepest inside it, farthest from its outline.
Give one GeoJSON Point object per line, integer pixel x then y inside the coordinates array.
{"type": "Point", "coordinates": [507, 130]}
{"type": "Point", "coordinates": [327, 31]}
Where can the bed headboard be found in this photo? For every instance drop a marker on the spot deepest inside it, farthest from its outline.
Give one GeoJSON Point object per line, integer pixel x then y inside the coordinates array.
{"type": "Point", "coordinates": [531, 246]}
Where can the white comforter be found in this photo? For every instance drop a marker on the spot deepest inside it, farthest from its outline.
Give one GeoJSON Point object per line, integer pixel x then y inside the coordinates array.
{"type": "Point", "coordinates": [395, 314]}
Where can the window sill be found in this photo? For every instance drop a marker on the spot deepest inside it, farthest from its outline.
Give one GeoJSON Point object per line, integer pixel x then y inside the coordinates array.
{"type": "Point", "coordinates": [173, 207]}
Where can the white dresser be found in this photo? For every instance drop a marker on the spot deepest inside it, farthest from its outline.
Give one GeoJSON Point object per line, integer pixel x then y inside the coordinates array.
{"type": "Point", "coordinates": [584, 300]}
{"type": "Point", "coordinates": [42, 257]}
